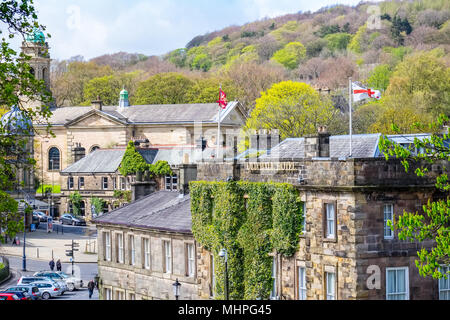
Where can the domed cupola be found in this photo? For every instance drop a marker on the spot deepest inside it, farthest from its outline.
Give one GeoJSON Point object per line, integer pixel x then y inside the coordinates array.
{"type": "Point", "coordinates": [36, 37]}
{"type": "Point", "coordinates": [123, 100]}
{"type": "Point", "coordinates": [16, 122]}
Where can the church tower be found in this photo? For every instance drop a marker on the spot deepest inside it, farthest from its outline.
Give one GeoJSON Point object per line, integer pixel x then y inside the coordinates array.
{"type": "Point", "coordinates": [36, 47]}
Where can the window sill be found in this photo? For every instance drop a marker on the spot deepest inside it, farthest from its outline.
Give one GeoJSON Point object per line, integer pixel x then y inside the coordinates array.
{"type": "Point", "coordinates": [330, 240]}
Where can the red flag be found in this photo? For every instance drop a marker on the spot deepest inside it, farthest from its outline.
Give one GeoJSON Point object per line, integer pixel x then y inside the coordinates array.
{"type": "Point", "coordinates": [222, 99]}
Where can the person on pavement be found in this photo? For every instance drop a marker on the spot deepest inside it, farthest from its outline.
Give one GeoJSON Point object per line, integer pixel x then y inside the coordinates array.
{"type": "Point", "coordinates": [58, 265]}
{"type": "Point", "coordinates": [52, 264]}
{"type": "Point", "coordinates": [91, 286]}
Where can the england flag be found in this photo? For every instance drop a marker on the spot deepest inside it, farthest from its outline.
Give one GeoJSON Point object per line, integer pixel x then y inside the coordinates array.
{"type": "Point", "coordinates": [361, 93]}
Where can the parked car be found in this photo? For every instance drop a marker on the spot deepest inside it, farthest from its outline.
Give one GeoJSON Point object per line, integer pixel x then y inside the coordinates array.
{"type": "Point", "coordinates": [29, 280]}
{"type": "Point", "coordinates": [71, 219]}
{"type": "Point", "coordinates": [21, 294]}
{"type": "Point", "coordinates": [71, 282]}
{"type": "Point", "coordinates": [42, 216]}
{"type": "Point", "coordinates": [33, 291]}
{"type": "Point", "coordinates": [49, 289]}
{"type": "Point", "coordinates": [8, 296]}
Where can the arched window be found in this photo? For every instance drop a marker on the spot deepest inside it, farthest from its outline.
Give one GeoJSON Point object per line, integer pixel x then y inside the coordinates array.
{"type": "Point", "coordinates": [53, 159]}
{"type": "Point", "coordinates": [32, 71]}
{"type": "Point", "coordinates": [44, 73]}
{"type": "Point", "coordinates": [93, 148]}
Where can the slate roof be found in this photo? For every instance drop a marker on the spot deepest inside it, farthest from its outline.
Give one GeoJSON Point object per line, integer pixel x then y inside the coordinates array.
{"type": "Point", "coordinates": [363, 146]}
{"type": "Point", "coordinates": [99, 161]}
{"type": "Point", "coordinates": [143, 114]}
{"type": "Point", "coordinates": [162, 210]}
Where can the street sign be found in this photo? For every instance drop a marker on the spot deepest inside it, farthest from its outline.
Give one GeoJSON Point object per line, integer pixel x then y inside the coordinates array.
{"type": "Point", "coordinates": [69, 253]}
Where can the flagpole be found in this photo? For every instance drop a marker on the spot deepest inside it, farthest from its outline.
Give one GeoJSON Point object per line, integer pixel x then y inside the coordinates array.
{"type": "Point", "coordinates": [218, 126]}
{"type": "Point", "coordinates": [350, 111]}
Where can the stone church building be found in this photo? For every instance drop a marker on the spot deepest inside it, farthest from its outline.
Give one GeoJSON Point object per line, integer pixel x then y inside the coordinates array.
{"type": "Point", "coordinates": [79, 130]}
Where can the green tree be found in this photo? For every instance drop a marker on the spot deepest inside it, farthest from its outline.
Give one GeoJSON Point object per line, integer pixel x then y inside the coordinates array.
{"type": "Point", "coordinates": [434, 222]}
{"type": "Point", "coordinates": [379, 77]}
{"type": "Point", "coordinates": [422, 82]}
{"type": "Point", "coordinates": [291, 55]}
{"type": "Point", "coordinates": [294, 108]}
{"type": "Point", "coordinates": [338, 41]}
{"type": "Point", "coordinates": [98, 204]}
{"type": "Point", "coordinates": [164, 88]}
{"type": "Point", "coordinates": [17, 86]}
{"type": "Point", "coordinates": [178, 57]}
{"type": "Point", "coordinates": [206, 90]}
{"type": "Point", "coordinates": [132, 161]}
{"type": "Point", "coordinates": [109, 87]}
{"type": "Point", "coordinates": [356, 43]}
{"type": "Point", "coordinates": [75, 199]}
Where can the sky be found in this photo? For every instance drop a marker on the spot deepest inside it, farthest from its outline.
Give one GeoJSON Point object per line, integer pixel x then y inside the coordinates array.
{"type": "Point", "coordinates": [95, 27]}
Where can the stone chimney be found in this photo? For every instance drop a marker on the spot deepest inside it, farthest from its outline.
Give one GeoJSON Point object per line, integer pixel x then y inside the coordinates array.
{"type": "Point", "coordinates": [97, 104]}
{"type": "Point", "coordinates": [186, 173]}
{"type": "Point", "coordinates": [318, 145]}
{"type": "Point", "coordinates": [140, 189]}
{"type": "Point", "coordinates": [264, 139]}
{"type": "Point", "coordinates": [78, 152]}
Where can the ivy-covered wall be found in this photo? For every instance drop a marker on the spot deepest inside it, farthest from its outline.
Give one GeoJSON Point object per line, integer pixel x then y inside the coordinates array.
{"type": "Point", "coordinates": [250, 220]}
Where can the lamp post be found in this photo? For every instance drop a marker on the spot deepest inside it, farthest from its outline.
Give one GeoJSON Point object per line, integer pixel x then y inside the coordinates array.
{"type": "Point", "coordinates": [24, 257]}
{"type": "Point", "coordinates": [176, 289]}
{"type": "Point", "coordinates": [51, 202]}
{"type": "Point", "coordinates": [224, 254]}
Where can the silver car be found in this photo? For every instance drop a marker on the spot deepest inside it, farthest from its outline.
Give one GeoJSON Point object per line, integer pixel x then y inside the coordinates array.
{"type": "Point", "coordinates": [48, 289]}
{"type": "Point", "coordinates": [71, 282]}
{"type": "Point", "coordinates": [30, 279]}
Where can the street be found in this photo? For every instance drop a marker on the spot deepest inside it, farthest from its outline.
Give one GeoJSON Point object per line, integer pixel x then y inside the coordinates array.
{"type": "Point", "coordinates": [85, 271]}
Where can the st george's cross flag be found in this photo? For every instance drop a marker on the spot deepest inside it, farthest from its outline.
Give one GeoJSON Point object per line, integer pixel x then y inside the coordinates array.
{"type": "Point", "coordinates": [361, 93]}
{"type": "Point", "coordinates": [223, 102]}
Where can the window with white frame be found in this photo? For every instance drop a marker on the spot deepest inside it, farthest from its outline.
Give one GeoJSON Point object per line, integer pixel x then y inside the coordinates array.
{"type": "Point", "coordinates": [444, 284]}
{"type": "Point", "coordinates": [120, 251]}
{"type": "Point", "coordinates": [388, 216]}
{"type": "Point", "coordinates": [330, 221]}
{"type": "Point", "coordinates": [171, 183]}
{"type": "Point", "coordinates": [301, 283]}
{"type": "Point", "coordinates": [190, 263]}
{"type": "Point", "coordinates": [167, 256]}
{"type": "Point", "coordinates": [120, 295]}
{"type": "Point", "coordinates": [70, 183]}
{"type": "Point", "coordinates": [81, 183]}
{"type": "Point", "coordinates": [114, 180]}
{"type": "Point", "coordinates": [105, 183]}
{"type": "Point", "coordinates": [122, 183]}
{"type": "Point", "coordinates": [146, 253]}
{"type": "Point", "coordinates": [107, 245]}
{"type": "Point", "coordinates": [397, 283]}
{"type": "Point", "coordinates": [273, 293]}
{"type": "Point", "coordinates": [132, 248]}
{"type": "Point", "coordinates": [330, 285]}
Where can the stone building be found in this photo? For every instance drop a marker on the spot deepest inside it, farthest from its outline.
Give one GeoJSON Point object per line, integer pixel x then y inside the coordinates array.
{"type": "Point", "coordinates": [79, 130]}
{"type": "Point", "coordinates": [145, 247]}
{"type": "Point", "coordinates": [346, 250]}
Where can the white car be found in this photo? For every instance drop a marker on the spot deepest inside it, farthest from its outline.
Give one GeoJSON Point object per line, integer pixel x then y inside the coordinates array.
{"type": "Point", "coordinates": [48, 289]}
{"type": "Point", "coordinates": [71, 282]}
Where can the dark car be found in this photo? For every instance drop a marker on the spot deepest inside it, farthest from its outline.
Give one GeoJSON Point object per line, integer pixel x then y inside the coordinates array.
{"type": "Point", "coordinates": [42, 216]}
{"type": "Point", "coordinates": [33, 291]}
{"type": "Point", "coordinates": [20, 294]}
{"type": "Point", "coordinates": [71, 219]}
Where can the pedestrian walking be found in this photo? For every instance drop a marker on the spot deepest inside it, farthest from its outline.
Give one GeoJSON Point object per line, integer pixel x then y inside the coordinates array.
{"type": "Point", "coordinates": [52, 264]}
{"type": "Point", "coordinates": [58, 265]}
{"type": "Point", "coordinates": [91, 286]}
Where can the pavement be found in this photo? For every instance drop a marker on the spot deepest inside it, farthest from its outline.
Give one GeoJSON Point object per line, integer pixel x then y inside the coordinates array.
{"type": "Point", "coordinates": [41, 245]}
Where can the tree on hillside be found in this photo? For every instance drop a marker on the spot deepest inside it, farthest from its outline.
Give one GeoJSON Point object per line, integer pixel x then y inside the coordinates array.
{"type": "Point", "coordinates": [252, 78]}
{"type": "Point", "coordinates": [206, 90]}
{"type": "Point", "coordinates": [422, 82]}
{"type": "Point", "coordinates": [434, 222]}
{"type": "Point", "coordinates": [294, 108]}
{"type": "Point", "coordinates": [291, 55]}
{"type": "Point", "coordinates": [379, 77]}
{"type": "Point", "coordinates": [17, 86]}
{"type": "Point", "coordinates": [68, 86]}
{"type": "Point", "coordinates": [164, 88]}
{"type": "Point", "coordinates": [109, 87]}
